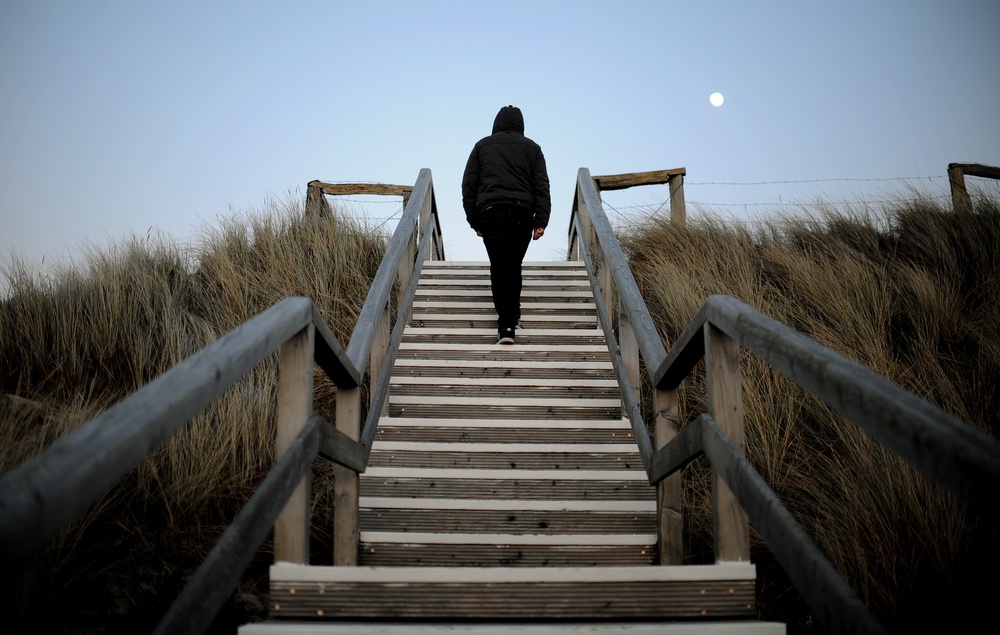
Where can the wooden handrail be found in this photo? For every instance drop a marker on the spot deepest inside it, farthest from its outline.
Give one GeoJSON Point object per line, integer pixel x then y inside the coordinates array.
{"type": "Point", "coordinates": [40, 497]}
{"type": "Point", "coordinates": [944, 448]}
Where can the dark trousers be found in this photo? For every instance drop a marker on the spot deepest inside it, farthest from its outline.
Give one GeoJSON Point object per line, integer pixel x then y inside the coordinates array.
{"type": "Point", "coordinates": [506, 235]}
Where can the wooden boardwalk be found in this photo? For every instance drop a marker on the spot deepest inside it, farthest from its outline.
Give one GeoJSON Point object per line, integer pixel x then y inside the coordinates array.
{"type": "Point", "coordinates": [505, 486]}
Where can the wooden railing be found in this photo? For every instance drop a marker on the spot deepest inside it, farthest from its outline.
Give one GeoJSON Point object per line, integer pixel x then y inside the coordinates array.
{"type": "Point", "coordinates": [39, 498]}
{"type": "Point", "coordinates": [945, 449]}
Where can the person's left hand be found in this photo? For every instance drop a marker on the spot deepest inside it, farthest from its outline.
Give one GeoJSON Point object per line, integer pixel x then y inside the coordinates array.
{"type": "Point", "coordinates": [538, 233]}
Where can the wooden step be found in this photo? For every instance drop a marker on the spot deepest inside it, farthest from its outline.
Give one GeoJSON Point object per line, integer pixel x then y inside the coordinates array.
{"type": "Point", "coordinates": [732, 627]}
{"type": "Point", "coordinates": [490, 352]}
{"type": "Point", "coordinates": [515, 369]}
{"type": "Point", "coordinates": [487, 336]}
{"type": "Point", "coordinates": [504, 407]}
{"type": "Point", "coordinates": [466, 430]}
{"type": "Point", "coordinates": [560, 387]}
{"type": "Point", "coordinates": [483, 305]}
{"type": "Point", "coordinates": [484, 321]}
{"type": "Point", "coordinates": [723, 591]}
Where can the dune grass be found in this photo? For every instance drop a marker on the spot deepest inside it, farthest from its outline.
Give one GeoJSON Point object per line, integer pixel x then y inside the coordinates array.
{"type": "Point", "coordinates": [909, 291]}
{"type": "Point", "coordinates": [77, 340]}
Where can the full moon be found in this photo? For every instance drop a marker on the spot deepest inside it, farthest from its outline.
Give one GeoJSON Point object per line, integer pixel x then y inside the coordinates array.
{"type": "Point", "coordinates": [716, 99]}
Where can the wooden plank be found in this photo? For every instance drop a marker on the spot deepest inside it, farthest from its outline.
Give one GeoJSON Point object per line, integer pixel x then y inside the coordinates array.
{"type": "Point", "coordinates": [506, 474]}
{"type": "Point", "coordinates": [546, 434]}
{"type": "Point", "coordinates": [404, 446]}
{"type": "Point", "coordinates": [528, 283]}
{"type": "Point", "coordinates": [502, 382]}
{"type": "Point", "coordinates": [978, 169]}
{"type": "Point", "coordinates": [542, 424]}
{"type": "Point", "coordinates": [419, 555]}
{"type": "Point", "coordinates": [499, 592]}
{"type": "Point", "coordinates": [483, 264]}
{"type": "Point", "coordinates": [505, 521]}
{"type": "Point", "coordinates": [728, 571]}
{"type": "Point", "coordinates": [635, 506]}
{"type": "Point", "coordinates": [522, 489]}
{"type": "Point", "coordinates": [38, 498]}
{"type": "Point", "coordinates": [295, 395]}
{"type": "Point", "coordinates": [429, 538]}
{"type": "Point", "coordinates": [632, 179]}
{"type": "Point", "coordinates": [730, 627]}
{"type": "Point", "coordinates": [731, 526]}
{"type": "Point", "coordinates": [627, 458]}
{"type": "Point", "coordinates": [357, 189]}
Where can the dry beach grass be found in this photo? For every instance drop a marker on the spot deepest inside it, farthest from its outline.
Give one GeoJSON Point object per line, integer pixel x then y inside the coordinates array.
{"type": "Point", "coordinates": [909, 291]}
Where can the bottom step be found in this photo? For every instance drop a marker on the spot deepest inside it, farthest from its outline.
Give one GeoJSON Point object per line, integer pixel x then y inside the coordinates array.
{"type": "Point", "coordinates": [709, 592]}
{"type": "Point", "coordinates": [589, 628]}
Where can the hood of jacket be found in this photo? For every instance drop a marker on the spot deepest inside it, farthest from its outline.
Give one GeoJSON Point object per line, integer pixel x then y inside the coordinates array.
{"type": "Point", "coordinates": [509, 119]}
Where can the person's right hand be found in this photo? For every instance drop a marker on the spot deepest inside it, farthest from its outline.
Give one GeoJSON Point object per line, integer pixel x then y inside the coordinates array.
{"type": "Point", "coordinates": [538, 233]}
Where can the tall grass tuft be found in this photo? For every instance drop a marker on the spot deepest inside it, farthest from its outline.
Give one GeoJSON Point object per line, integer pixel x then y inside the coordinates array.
{"type": "Point", "coordinates": [75, 341]}
{"type": "Point", "coordinates": [909, 291]}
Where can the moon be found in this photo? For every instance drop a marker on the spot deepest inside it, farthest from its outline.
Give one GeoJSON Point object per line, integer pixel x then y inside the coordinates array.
{"type": "Point", "coordinates": [716, 99]}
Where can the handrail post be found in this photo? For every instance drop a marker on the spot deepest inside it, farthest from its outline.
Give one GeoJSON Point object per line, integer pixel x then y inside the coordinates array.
{"type": "Point", "coordinates": [669, 491]}
{"type": "Point", "coordinates": [345, 485]}
{"type": "Point", "coordinates": [405, 273]}
{"type": "Point", "coordinates": [725, 405]}
{"type": "Point", "coordinates": [295, 397]}
{"type": "Point", "coordinates": [380, 346]}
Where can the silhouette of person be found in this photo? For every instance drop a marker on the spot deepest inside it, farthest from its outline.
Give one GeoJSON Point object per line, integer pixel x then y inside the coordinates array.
{"type": "Point", "coordinates": [505, 193]}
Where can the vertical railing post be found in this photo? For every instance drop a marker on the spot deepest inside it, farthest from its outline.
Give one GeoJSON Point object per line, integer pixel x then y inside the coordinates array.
{"type": "Point", "coordinates": [295, 397]}
{"type": "Point", "coordinates": [725, 405]}
{"type": "Point", "coordinates": [628, 346]}
{"type": "Point", "coordinates": [669, 493]}
{"type": "Point", "coordinates": [425, 216]}
{"type": "Point", "coordinates": [345, 485]}
{"type": "Point", "coordinates": [380, 347]}
{"type": "Point", "coordinates": [678, 210]}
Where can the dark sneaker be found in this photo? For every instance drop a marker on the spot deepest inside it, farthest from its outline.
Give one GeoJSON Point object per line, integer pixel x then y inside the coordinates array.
{"type": "Point", "coordinates": [505, 336]}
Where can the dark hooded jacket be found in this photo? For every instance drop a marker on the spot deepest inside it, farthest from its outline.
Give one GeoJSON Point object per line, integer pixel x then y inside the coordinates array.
{"type": "Point", "coordinates": [506, 168]}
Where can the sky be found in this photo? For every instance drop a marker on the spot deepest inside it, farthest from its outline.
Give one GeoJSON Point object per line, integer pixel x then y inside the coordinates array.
{"type": "Point", "coordinates": [121, 118]}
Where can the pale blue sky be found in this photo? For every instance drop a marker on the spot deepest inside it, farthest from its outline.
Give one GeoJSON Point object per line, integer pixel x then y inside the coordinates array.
{"type": "Point", "coordinates": [118, 117]}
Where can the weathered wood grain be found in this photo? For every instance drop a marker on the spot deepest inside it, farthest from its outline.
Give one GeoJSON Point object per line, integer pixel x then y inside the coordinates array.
{"type": "Point", "coordinates": [623, 181]}
{"type": "Point", "coordinates": [295, 397]}
{"type": "Point", "coordinates": [731, 528]}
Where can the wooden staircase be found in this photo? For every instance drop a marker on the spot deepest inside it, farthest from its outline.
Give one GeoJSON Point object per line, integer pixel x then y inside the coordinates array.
{"type": "Point", "coordinates": [505, 491]}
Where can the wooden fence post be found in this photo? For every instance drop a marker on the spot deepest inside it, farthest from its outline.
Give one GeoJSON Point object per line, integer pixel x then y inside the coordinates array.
{"type": "Point", "coordinates": [295, 397]}
{"type": "Point", "coordinates": [345, 485]}
{"type": "Point", "coordinates": [316, 203]}
{"type": "Point", "coordinates": [725, 404]}
{"type": "Point", "coordinates": [669, 491]}
{"type": "Point", "coordinates": [678, 210]}
{"type": "Point", "coordinates": [960, 199]}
